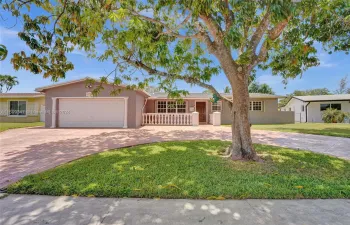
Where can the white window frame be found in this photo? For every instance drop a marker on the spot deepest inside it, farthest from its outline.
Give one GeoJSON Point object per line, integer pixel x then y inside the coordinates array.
{"type": "Point", "coordinates": [217, 104]}
{"type": "Point", "coordinates": [16, 100]}
{"type": "Point", "coordinates": [176, 107]}
{"type": "Point", "coordinates": [302, 108]}
{"type": "Point", "coordinates": [251, 106]}
{"type": "Point", "coordinates": [330, 105]}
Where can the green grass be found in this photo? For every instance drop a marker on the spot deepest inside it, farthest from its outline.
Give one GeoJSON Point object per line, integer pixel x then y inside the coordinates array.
{"type": "Point", "coordinates": [193, 169]}
{"type": "Point", "coordinates": [7, 126]}
{"type": "Point", "coordinates": [328, 129]}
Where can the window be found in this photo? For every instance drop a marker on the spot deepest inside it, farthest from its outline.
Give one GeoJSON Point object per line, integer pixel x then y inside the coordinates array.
{"type": "Point", "coordinates": [18, 108]}
{"type": "Point", "coordinates": [181, 107]}
{"type": "Point", "coordinates": [161, 105]}
{"type": "Point", "coordinates": [171, 107]}
{"type": "Point", "coordinates": [255, 106]}
{"type": "Point", "coordinates": [302, 108]}
{"type": "Point", "coordinates": [336, 106]}
{"type": "Point", "coordinates": [216, 106]}
{"type": "Point", "coordinates": [324, 107]}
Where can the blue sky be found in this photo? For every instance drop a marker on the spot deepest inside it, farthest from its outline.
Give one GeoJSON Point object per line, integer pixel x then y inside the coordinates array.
{"type": "Point", "coordinates": [332, 68]}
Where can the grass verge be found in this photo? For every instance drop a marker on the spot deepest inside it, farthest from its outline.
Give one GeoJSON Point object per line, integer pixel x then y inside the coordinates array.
{"type": "Point", "coordinates": [328, 129]}
{"type": "Point", "coordinates": [193, 169]}
{"type": "Point", "coordinates": [7, 126]}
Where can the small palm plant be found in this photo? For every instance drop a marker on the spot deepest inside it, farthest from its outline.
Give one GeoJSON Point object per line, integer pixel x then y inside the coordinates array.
{"type": "Point", "coordinates": [333, 116]}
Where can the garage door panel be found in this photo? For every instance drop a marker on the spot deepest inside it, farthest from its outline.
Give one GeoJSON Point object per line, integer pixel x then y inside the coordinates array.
{"type": "Point", "coordinates": [91, 112]}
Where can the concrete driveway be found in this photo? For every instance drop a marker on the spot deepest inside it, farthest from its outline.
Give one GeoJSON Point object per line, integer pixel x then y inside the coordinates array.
{"type": "Point", "coordinates": [31, 150]}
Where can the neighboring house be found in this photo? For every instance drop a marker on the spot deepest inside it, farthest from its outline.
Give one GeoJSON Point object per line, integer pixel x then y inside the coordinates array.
{"type": "Point", "coordinates": [73, 106]}
{"type": "Point", "coordinates": [310, 108]}
{"type": "Point", "coordinates": [22, 107]}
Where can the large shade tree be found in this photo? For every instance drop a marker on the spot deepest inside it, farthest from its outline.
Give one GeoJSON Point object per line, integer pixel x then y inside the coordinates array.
{"type": "Point", "coordinates": [188, 40]}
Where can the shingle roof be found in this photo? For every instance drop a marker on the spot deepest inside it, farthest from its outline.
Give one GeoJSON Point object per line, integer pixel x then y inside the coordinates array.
{"type": "Point", "coordinates": [42, 89]}
{"type": "Point", "coordinates": [207, 96]}
{"type": "Point", "coordinates": [23, 95]}
{"type": "Point", "coordinates": [314, 98]}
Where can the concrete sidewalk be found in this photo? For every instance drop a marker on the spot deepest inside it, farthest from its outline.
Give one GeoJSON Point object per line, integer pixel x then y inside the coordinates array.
{"type": "Point", "coordinates": [26, 209]}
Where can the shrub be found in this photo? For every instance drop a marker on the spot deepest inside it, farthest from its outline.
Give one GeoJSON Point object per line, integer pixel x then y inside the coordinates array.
{"type": "Point", "coordinates": [333, 116]}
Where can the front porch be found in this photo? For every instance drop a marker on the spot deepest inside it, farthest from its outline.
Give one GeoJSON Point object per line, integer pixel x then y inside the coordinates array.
{"type": "Point", "coordinates": [190, 112]}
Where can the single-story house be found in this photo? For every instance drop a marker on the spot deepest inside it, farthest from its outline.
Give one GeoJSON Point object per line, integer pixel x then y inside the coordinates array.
{"type": "Point", "coordinates": [310, 108]}
{"type": "Point", "coordinates": [73, 106]}
{"type": "Point", "coordinates": [22, 107]}
{"type": "Point", "coordinates": [70, 104]}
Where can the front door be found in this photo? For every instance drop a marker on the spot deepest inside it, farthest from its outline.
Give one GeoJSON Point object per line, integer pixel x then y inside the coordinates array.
{"type": "Point", "coordinates": [201, 109]}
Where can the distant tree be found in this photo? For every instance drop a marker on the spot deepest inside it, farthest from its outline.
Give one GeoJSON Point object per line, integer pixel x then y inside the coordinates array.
{"type": "Point", "coordinates": [207, 91]}
{"type": "Point", "coordinates": [7, 82]}
{"type": "Point", "coordinates": [3, 52]}
{"type": "Point", "coordinates": [255, 87]}
{"type": "Point", "coordinates": [343, 89]}
{"type": "Point", "coordinates": [227, 89]}
{"type": "Point", "coordinates": [317, 91]}
{"type": "Point", "coordinates": [152, 89]}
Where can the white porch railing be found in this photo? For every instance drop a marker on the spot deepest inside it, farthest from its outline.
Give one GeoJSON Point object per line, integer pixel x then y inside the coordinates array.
{"type": "Point", "coordinates": [175, 119]}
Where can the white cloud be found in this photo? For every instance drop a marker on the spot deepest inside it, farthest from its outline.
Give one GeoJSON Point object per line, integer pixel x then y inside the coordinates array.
{"type": "Point", "coordinates": [325, 60]}
{"type": "Point", "coordinates": [7, 33]}
{"type": "Point", "coordinates": [269, 79]}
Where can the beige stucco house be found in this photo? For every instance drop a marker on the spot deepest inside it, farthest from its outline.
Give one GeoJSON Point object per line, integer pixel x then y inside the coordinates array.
{"type": "Point", "coordinates": [70, 104]}
{"type": "Point", "coordinates": [22, 107]}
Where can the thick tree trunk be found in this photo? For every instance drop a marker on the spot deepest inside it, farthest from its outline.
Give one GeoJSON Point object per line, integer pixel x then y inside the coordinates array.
{"type": "Point", "coordinates": [242, 146]}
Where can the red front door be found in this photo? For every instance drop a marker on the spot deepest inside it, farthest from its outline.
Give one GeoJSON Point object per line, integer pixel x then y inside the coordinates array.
{"type": "Point", "coordinates": [201, 109]}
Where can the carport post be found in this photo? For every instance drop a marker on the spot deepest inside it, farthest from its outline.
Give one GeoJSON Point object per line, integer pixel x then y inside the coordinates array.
{"type": "Point", "coordinates": [53, 113]}
{"type": "Point", "coordinates": [126, 113]}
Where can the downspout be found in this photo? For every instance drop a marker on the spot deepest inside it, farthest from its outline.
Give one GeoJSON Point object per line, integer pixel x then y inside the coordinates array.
{"type": "Point", "coordinates": [144, 105]}
{"type": "Point", "coordinates": [306, 111]}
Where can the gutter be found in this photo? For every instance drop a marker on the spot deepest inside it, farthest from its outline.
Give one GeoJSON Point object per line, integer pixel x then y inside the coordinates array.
{"type": "Point", "coordinates": [306, 111]}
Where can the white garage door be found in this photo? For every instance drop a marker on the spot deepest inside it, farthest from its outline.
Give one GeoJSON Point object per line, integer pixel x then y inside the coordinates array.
{"type": "Point", "coordinates": [87, 112]}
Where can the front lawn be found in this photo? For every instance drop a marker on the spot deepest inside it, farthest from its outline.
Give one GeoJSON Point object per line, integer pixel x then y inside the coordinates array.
{"type": "Point", "coordinates": [193, 169]}
{"type": "Point", "coordinates": [329, 129]}
{"type": "Point", "coordinates": [7, 126]}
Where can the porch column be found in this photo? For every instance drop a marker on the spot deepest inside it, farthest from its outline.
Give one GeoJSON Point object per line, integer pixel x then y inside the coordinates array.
{"type": "Point", "coordinates": [195, 119]}
{"type": "Point", "coordinates": [216, 118]}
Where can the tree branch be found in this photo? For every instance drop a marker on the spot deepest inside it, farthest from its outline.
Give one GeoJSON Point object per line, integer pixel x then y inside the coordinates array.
{"type": "Point", "coordinates": [187, 79]}
{"type": "Point", "coordinates": [273, 34]}
{"type": "Point", "coordinates": [229, 16]}
{"type": "Point", "coordinates": [277, 30]}
{"type": "Point", "coordinates": [259, 32]}
{"type": "Point", "coordinates": [213, 28]}
{"type": "Point", "coordinates": [58, 17]}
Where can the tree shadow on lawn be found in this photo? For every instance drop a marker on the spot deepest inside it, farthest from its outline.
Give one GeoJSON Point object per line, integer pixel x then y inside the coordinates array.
{"type": "Point", "coordinates": [193, 170]}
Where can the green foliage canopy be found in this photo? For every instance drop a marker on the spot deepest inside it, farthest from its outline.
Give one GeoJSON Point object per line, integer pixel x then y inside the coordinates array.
{"type": "Point", "coordinates": [171, 40]}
